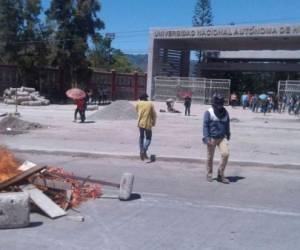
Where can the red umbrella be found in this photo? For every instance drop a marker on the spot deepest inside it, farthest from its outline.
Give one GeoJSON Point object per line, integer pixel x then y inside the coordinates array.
{"type": "Point", "coordinates": [75, 93]}
{"type": "Point", "coordinates": [186, 94]}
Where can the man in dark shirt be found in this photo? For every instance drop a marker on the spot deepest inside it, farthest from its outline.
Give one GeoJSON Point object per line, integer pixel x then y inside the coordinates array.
{"type": "Point", "coordinates": [187, 105]}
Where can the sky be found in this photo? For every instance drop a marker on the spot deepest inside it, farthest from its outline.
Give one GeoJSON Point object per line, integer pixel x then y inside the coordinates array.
{"type": "Point", "coordinates": [131, 20]}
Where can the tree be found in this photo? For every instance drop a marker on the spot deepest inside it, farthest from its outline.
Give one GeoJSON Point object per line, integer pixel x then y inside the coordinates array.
{"type": "Point", "coordinates": [121, 63]}
{"type": "Point", "coordinates": [11, 25]}
{"type": "Point", "coordinates": [202, 13]}
{"type": "Point", "coordinates": [101, 55]}
{"type": "Point", "coordinates": [202, 17]}
{"type": "Point", "coordinates": [75, 23]}
{"type": "Point", "coordinates": [34, 52]}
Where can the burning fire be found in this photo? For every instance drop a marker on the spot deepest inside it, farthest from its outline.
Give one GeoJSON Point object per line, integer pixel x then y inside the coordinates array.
{"type": "Point", "coordinates": [8, 165]}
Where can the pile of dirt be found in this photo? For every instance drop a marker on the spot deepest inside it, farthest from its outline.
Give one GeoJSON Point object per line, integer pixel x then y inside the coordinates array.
{"type": "Point", "coordinates": [13, 125]}
{"type": "Point", "coordinates": [118, 110]}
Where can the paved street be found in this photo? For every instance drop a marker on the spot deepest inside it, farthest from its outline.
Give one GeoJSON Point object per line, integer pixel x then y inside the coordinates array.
{"type": "Point", "coordinates": [177, 209]}
{"type": "Point", "coordinates": [273, 139]}
{"type": "Point", "coordinates": [173, 207]}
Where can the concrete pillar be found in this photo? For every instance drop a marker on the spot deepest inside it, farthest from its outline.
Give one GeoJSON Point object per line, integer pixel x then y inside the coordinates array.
{"type": "Point", "coordinates": [185, 63]}
{"type": "Point", "coordinates": [14, 210]}
{"type": "Point", "coordinates": [136, 85]}
{"type": "Point", "coordinates": [126, 186]}
{"type": "Point", "coordinates": [113, 85]}
{"type": "Point", "coordinates": [153, 55]}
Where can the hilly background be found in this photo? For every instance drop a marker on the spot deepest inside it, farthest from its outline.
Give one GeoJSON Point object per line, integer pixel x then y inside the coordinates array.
{"type": "Point", "coordinates": [139, 60]}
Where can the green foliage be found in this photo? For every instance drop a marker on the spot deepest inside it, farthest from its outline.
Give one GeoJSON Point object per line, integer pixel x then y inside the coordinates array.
{"type": "Point", "coordinates": [101, 55]}
{"type": "Point", "coordinates": [121, 63]}
{"type": "Point", "coordinates": [11, 22]}
{"type": "Point", "coordinates": [74, 23]}
{"type": "Point", "coordinates": [202, 17]}
{"type": "Point", "coordinates": [34, 47]}
{"type": "Point", "coordinates": [202, 13]}
{"type": "Point", "coordinates": [68, 39]}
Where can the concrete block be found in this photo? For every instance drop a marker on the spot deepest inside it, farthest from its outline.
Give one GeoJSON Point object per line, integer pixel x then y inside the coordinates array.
{"type": "Point", "coordinates": [126, 185]}
{"type": "Point", "coordinates": [14, 210]}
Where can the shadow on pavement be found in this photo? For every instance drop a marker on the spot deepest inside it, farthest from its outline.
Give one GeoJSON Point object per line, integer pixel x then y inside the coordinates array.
{"type": "Point", "coordinates": [35, 224]}
{"type": "Point", "coordinates": [88, 122]}
{"type": "Point", "coordinates": [134, 196]}
{"type": "Point", "coordinates": [235, 178]}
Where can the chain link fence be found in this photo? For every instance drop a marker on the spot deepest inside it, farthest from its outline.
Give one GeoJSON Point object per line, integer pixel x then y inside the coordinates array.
{"type": "Point", "coordinates": [201, 89]}
{"type": "Point", "coordinates": [288, 88]}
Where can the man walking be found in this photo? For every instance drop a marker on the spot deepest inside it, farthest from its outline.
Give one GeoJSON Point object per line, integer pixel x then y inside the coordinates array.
{"type": "Point", "coordinates": [216, 132]}
{"type": "Point", "coordinates": [187, 105]}
{"type": "Point", "coordinates": [146, 120]}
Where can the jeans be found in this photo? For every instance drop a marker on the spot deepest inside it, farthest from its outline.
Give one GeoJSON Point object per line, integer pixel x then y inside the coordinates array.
{"type": "Point", "coordinates": [187, 110]}
{"type": "Point", "coordinates": [75, 113]}
{"type": "Point", "coordinates": [81, 113]}
{"type": "Point", "coordinates": [144, 144]}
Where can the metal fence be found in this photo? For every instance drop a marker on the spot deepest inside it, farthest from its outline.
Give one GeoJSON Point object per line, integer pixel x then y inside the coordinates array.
{"type": "Point", "coordinates": [202, 89]}
{"type": "Point", "coordinates": [288, 88]}
{"type": "Point", "coordinates": [51, 83]}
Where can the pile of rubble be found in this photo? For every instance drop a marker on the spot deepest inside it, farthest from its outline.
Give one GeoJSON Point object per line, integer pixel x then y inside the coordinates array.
{"type": "Point", "coordinates": [50, 189]}
{"type": "Point", "coordinates": [26, 186]}
{"type": "Point", "coordinates": [24, 96]}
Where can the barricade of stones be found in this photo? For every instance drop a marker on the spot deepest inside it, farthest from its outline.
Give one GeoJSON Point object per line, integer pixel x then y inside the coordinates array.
{"type": "Point", "coordinates": [24, 96]}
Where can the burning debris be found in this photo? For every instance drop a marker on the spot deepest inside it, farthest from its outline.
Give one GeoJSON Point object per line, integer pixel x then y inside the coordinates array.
{"type": "Point", "coordinates": [52, 189]}
{"type": "Point", "coordinates": [8, 165]}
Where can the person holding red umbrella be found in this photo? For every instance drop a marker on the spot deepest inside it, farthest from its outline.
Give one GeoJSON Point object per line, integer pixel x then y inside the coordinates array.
{"type": "Point", "coordinates": [80, 108]}
{"type": "Point", "coordinates": [78, 96]}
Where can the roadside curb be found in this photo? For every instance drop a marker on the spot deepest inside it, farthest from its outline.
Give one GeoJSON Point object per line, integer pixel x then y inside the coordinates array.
{"type": "Point", "coordinates": [158, 158]}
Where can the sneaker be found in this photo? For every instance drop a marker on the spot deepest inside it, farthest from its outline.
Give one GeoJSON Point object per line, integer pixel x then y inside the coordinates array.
{"type": "Point", "coordinates": [209, 177]}
{"type": "Point", "coordinates": [223, 179]}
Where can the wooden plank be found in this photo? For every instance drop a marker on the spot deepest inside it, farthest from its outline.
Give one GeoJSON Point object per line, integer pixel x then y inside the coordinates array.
{"type": "Point", "coordinates": [89, 180]}
{"type": "Point", "coordinates": [54, 184]}
{"type": "Point", "coordinates": [21, 176]}
{"type": "Point", "coordinates": [43, 201]}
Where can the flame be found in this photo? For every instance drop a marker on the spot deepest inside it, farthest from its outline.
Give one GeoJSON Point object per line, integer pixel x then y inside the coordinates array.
{"type": "Point", "coordinates": [8, 165]}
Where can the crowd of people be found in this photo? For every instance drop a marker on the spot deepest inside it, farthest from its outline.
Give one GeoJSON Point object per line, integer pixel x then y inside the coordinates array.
{"type": "Point", "coordinates": [267, 103]}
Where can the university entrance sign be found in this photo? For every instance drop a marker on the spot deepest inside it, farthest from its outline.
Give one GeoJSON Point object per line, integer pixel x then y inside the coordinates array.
{"type": "Point", "coordinates": [169, 50]}
{"type": "Point", "coordinates": [228, 31]}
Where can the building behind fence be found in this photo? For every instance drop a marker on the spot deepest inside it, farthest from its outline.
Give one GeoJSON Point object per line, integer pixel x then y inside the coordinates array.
{"type": "Point", "coordinates": [116, 85]}
{"type": "Point", "coordinates": [201, 89]}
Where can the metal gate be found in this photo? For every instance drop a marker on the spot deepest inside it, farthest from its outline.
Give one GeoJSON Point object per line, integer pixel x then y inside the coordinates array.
{"type": "Point", "coordinates": [202, 89]}
{"type": "Point", "coordinates": [288, 88]}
